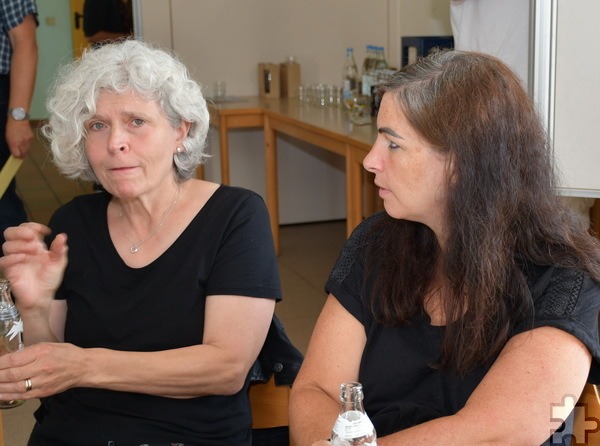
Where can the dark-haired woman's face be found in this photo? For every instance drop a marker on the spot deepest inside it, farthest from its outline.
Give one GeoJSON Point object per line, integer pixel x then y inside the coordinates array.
{"type": "Point", "coordinates": [411, 176]}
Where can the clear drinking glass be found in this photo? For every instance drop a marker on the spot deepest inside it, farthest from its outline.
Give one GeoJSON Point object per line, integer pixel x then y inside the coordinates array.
{"type": "Point", "coordinates": [219, 89]}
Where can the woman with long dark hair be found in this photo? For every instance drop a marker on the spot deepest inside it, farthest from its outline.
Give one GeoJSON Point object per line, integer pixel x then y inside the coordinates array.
{"type": "Point", "coordinates": [470, 306]}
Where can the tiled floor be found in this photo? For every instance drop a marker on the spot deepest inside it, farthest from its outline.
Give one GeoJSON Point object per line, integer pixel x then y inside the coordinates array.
{"type": "Point", "coordinates": [308, 252]}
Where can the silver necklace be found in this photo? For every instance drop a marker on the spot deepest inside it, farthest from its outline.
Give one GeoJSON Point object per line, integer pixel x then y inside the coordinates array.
{"type": "Point", "coordinates": [135, 247]}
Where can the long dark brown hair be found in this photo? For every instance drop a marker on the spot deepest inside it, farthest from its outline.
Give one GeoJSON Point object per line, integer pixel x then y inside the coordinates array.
{"type": "Point", "coordinates": [502, 208]}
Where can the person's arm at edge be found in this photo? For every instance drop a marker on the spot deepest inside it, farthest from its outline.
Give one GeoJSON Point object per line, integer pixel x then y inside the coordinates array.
{"type": "Point", "coordinates": [19, 134]}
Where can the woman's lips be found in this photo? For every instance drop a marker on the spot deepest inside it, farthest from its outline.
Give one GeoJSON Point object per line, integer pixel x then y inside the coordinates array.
{"type": "Point", "coordinates": [382, 190]}
{"type": "Point", "coordinates": [122, 169]}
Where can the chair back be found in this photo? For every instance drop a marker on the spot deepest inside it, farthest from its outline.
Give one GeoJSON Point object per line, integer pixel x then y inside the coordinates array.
{"type": "Point", "coordinates": [8, 172]}
{"type": "Point", "coordinates": [270, 417]}
{"type": "Point", "coordinates": [586, 425]}
{"type": "Point", "coordinates": [269, 405]}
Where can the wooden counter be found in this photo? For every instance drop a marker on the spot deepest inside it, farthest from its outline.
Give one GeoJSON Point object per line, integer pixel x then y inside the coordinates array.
{"type": "Point", "coordinates": [248, 113]}
{"type": "Point", "coordinates": [325, 127]}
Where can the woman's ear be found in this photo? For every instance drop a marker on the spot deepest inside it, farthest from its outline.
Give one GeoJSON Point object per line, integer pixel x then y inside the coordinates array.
{"type": "Point", "coordinates": [183, 130]}
{"type": "Point", "coordinates": [451, 170]}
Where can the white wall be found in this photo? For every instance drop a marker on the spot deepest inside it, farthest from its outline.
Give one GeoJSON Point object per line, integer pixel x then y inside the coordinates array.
{"type": "Point", "coordinates": [226, 39]}
{"type": "Point", "coordinates": [577, 97]}
{"type": "Point", "coordinates": [55, 48]}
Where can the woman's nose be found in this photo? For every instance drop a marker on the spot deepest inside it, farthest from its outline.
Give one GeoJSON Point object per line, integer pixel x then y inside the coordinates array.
{"type": "Point", "coordinates": [371, 162]}
{"type": "Point", "coordinates": [117, 141]}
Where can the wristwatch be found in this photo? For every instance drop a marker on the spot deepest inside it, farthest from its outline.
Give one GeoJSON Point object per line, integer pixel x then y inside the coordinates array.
{"type": "Point", "coordinates": [18, 114]}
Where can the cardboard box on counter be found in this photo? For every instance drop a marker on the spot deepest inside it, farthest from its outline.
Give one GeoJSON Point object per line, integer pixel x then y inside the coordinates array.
{"type": "Point", "coordinates": [268, 80]}
{"type": "Point", "coordinates": [290, 78]}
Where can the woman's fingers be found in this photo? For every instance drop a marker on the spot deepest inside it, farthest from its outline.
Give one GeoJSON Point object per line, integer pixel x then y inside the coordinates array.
{"type": "Point", "coordinates": [58, 247]}
{"type": "Point", "coordinates": [50, 368]}
{"type": "Point", "coordinates": [27, 237]}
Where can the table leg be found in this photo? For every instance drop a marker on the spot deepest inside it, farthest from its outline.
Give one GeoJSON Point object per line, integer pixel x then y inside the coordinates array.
{"type": "Point", "coordinates": [200, 172]}
{"type": "Point", "coordinates": [595, 218]}
{"type": "Point", "coordinates": [372, 202]}
{"type": "Point", "coordinates": [271, 180]}
{"type": "Point", "coordinates": [1, 430]}
{"type": "Point", "coordinates": [224, 149]}
{"type": "Point", "coordinates": [354, 201]}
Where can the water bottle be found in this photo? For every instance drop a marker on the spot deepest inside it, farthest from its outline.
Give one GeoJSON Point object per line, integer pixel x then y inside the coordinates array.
{"type": "Point", "coordinates": [369, 60]}
{"type": "Point", "coordinates": [349, 79]}
{"type": "Point", "coordinates": [368, 73]}
{"type": "Point", "coordinates": [353, 426]}
{"type": "Point", "coordinates": [380, 61]}
{"type": "Point", "coordinates": [11, 331]}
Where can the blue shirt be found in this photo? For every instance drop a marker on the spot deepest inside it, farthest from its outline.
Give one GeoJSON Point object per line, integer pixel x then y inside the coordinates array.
{"type": "Point", "coordinates": [12, 14]}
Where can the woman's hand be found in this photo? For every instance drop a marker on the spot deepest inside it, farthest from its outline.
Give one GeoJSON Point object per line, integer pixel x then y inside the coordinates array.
{"type": "Point", "coordinates": [51, 367]}
{"type": "Point", "coordinates": [34, 270]}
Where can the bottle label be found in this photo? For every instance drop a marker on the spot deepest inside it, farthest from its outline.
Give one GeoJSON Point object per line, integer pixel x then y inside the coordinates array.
{"type": "Point", "coordinates": [353, 424]}
{"type": "Point", "coordinates": [346, 88]}
{"type": "Point", "coordinates": [367, 82]}
{"type": "Point", "coordinates": [11, 339]}
{"type": "Point", "coordinates": [15, 330]}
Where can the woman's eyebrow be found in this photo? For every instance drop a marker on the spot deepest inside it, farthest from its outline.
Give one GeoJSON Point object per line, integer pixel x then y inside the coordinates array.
{"type": "Point", "coordinates": [389, 131]}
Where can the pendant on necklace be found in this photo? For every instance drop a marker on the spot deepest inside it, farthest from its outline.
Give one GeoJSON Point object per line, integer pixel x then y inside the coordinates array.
{"type": "Point", "coordinates": [133, 248]}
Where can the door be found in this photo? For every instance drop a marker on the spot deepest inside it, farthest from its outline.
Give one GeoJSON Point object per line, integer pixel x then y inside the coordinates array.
{"type": "Point", "coordinates": [79, 41]}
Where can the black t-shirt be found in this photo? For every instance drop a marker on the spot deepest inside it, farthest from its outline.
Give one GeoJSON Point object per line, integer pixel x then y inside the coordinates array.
{"type": "Point", "coordinates": [227, 249]}
{"type": "Point", "coordinates": [401, 388]}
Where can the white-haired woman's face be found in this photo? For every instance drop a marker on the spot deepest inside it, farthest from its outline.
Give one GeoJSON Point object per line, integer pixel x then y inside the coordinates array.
{"type": "Point", "coordinates": [130, 144]}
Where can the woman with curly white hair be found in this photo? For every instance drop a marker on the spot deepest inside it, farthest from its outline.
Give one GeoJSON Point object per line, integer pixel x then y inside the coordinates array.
{"type": "Point", "coordinates": [145, 305]}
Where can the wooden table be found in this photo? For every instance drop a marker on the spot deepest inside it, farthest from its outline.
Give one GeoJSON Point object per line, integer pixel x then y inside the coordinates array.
{"type": "Point", "coordinates": [246, 113]}
{"type": "Point", "coordinates": [325, 127]}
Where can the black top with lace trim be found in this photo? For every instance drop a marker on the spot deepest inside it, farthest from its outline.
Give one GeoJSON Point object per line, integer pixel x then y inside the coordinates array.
{"type": "Point", "coordinates": [401, 388]}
